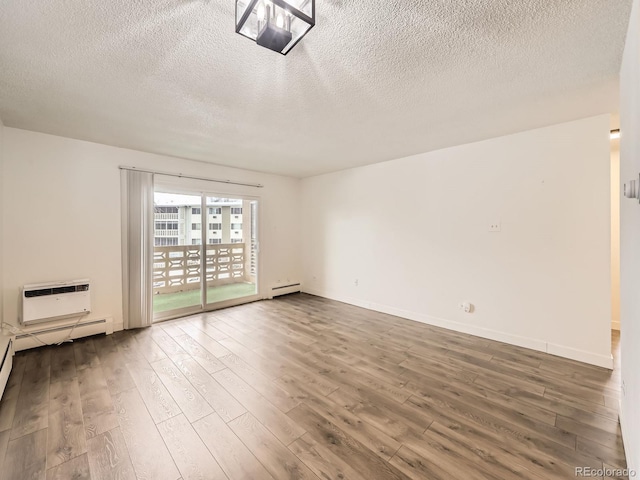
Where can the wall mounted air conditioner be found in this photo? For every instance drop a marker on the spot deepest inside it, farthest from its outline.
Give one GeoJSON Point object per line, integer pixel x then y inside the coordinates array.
{"type": "Point", "coordinates": [42, 302]}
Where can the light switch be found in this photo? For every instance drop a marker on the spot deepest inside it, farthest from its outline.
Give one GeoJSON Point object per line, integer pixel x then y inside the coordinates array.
{"type": "Point", "coordinates": [630, 189]}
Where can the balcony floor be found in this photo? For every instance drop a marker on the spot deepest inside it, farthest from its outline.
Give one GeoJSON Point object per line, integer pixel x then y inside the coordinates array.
{"type": "Point", "coordinates": [164, 302]}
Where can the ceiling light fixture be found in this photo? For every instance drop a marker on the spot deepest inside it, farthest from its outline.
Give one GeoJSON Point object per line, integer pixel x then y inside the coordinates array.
{"type": "Point", "coordinates": [277, 24]}
{"type": "Point", "coordinates": [615, 134]}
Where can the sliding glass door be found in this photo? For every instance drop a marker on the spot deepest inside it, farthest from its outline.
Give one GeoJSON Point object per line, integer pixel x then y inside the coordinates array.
{"type": "Point", "coordinates": [231, 249]}
{"type": "Point", "coordinates": [205, 254]}
{"type": "Point", "coordinates": [176, 255]}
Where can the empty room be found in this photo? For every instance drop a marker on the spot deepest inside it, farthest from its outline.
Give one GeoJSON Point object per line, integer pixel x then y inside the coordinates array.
{"type": "Point", "coordinates": [319, 239]}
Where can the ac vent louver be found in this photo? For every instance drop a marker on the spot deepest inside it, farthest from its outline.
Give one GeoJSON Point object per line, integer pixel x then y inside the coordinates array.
{"type": "Point", "coordinates": [56, 291]}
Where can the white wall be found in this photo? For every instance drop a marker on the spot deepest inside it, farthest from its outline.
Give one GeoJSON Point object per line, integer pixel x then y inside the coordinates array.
{"type": "Point", "coordinates": [62, 215]}
{"type": "Point", "coordinates": [630, 242]}
{"type": "Point", "coordinates": [414, 233]}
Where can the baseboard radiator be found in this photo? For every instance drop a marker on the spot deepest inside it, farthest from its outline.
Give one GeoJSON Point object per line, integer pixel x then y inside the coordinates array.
{"type": "Point", "coordinates": [285, 289]}
{"type": "Point", "coordinates": [56, 332]}
{"type": "Point", "coordinates": [6, 361]}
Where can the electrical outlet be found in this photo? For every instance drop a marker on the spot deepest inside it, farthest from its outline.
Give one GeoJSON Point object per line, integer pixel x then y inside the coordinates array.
{"type": "Point", "coordinates": [495, 227]}
{"type": "Point", "coordinates": [356, 282]}
{"type": "Point", "coordinates": [466, 307]}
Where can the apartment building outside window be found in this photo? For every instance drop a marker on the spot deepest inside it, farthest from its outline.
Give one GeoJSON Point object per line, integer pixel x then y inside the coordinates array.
{"type": "Point", "coordinates": [182, 224]}
{"type": "Point", "coordinates": [166, 241]}
{"type": "Point", "coordinates": [166, 225]}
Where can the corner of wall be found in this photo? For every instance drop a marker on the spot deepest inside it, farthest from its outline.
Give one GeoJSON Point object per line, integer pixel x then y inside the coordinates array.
{"type": "Point", "coordinates": [551, 239]}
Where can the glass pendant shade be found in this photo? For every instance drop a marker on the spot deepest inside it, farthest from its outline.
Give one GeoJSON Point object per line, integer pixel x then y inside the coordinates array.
{"type": "Point", "coordinates": [275, 24]}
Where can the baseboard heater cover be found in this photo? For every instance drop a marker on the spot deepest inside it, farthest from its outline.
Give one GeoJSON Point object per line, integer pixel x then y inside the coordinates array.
{"type": "Point", "coordinates": [55, 334]}
{"type": "Point", "coordinates": [7, 362]}
{"type": "Point", "coordinates": [285, 289]}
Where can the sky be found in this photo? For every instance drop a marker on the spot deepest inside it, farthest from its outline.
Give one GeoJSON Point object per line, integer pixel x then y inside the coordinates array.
{"type": "Point", "coordinates": [167, 199]}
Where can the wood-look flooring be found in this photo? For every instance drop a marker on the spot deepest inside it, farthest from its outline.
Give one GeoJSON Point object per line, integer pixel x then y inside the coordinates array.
{"type": "Point", "coordinates": [303, 388]}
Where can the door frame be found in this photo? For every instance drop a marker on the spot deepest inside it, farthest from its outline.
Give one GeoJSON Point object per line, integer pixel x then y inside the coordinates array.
{"type": "Point", "coordinates": [203, 307]}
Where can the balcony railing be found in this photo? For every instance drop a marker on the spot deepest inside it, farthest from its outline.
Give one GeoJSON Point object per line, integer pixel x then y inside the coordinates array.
{"type": "Point", "coordinates": [253, 263]}
{"type": "Point", "coordinates": [165, 233]}
{"type": "Point", "coordinates": [178, 267]}
{"type": "Point", "coordinates": [165, 216]}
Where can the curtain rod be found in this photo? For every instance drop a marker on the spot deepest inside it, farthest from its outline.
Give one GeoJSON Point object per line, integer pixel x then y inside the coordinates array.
{"type": "Point", "coordinates": [191, 177]}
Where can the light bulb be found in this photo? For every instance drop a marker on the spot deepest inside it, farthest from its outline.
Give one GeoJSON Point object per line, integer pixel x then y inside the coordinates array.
{"type": "Point", "coordinates": [280, 21]}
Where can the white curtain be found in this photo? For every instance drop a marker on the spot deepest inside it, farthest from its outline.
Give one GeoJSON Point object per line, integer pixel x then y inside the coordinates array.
{"type": "Point", "coordinates": [137, 248]}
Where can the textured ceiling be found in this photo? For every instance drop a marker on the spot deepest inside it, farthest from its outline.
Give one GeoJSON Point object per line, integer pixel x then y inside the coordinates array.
{"type": "Point", "coordinates": [373, 81]}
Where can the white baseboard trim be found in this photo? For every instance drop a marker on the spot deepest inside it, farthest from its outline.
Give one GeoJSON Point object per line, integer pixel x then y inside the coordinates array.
{"type": "Point", "coordinates": [605, 361]}
{"type": "Point", "coordinates": [118, 326]}
{"type": "Point", "coordinates": [615, 326]}
{"type": "Point", "coordinates": [633, 463]}
{"type": "Point", "coordinates": [526, 342]}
